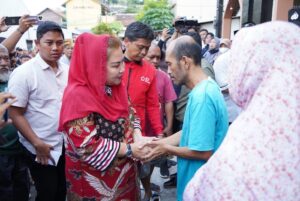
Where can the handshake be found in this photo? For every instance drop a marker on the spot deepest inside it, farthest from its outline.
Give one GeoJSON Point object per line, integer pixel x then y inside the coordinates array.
{"type": "Point", "coordinates": [146, 149]}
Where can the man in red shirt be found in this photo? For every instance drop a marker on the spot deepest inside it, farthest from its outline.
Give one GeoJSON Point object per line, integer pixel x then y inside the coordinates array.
{"type": "Point", "coordinates": [140, 75]}
{"type": "Point", "coordinates": [140, 80]}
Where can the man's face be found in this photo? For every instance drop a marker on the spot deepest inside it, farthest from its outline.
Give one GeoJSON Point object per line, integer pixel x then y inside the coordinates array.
{"type": "Point", "coordinates": [203, 35]}
{"type": "Point", "coordinates": [51, 47]}
{"type": "Point", "coordinates": [24, 59]}
{"type": "Point", "coordinates": [175, 69]}
{"type": "Point", "coordinates": [212, 44]}
{"type": "Point", "coordinates": [208, 39]}
{"type": "Point", "coordinates": [4, 65]}
{"type": "Point", "coordinates": [136, 50]}
{"type": "Point", "coordinates": [153, 55]}
{"type": "Point", "coordinates": [115, 67]}
{"type": "Point", "coordinates": [68, 51]}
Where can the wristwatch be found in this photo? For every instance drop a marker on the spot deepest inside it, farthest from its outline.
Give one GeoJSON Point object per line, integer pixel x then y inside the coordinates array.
{"type": "Point", "coordinates": [128, 152]}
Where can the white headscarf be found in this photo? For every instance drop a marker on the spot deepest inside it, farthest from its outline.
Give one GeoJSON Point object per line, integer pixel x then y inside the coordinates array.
{"type": "Point", "coordinates": [259, 158]}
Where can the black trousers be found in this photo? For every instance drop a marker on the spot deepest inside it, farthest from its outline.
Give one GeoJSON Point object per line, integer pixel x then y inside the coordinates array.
{"type": "Point", "coordinates": [14, 180]}
{"type": "Point", "coordinates": [49, 181]}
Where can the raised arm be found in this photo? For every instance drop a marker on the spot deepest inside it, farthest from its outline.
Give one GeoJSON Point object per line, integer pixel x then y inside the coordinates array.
{"type": "Point", "coordinates": [25, 23]}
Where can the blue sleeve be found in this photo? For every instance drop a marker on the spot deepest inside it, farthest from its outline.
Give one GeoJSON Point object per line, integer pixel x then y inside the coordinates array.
{"type": "Point", "coordinates": [202, 124]}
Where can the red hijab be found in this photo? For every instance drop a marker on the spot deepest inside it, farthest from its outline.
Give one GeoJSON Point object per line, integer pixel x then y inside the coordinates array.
{"type": "Point", "coordinates": [85, 92]}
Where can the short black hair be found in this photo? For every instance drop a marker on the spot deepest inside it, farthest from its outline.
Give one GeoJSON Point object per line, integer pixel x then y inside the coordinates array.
{"type": "Point", "coordinates": [46, 26]}
{"type": "Point", "coordinates": [211, 34]}
{"type": "Point", "coordinates": [204, 30]}
{"type": "Point", "coordinates": [195, 36]}
{"type": "Point", "coordinates": [188, 49]}
{"type": "Point", "coordinates": [138, 30]}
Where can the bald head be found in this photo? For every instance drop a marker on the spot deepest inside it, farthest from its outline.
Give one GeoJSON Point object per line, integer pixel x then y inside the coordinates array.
{"type": "Point", "coordinates": [153, 55]}
{"type": "Point", "coordinates": [185, 46]}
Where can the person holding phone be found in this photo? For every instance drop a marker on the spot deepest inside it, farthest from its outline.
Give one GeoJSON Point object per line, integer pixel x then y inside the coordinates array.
{"type": "Point", "coordinates": [11, 151]}
{"type": "Point", "coordinates": [25, 22]}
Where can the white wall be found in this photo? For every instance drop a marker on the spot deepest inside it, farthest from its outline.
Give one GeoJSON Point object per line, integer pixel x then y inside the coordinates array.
{"type": "Point", "coordinates": [202, 10]}
{"type": "Point", "coordinates": [235, 25]}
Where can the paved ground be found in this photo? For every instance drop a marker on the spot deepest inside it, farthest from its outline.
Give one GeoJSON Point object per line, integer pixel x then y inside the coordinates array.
{"type": "Point", "coordinates": [166, 194]}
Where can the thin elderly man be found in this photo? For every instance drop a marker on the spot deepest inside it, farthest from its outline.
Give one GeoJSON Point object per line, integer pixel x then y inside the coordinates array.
{"type": "Point", "coordinates": [14, 180]}
{"type": "Point", "coordinates": [167, 95]}
{"type": "Point", "coordinates": [39, 85]}
{"type": "Point", "coordinates": [205, 121]}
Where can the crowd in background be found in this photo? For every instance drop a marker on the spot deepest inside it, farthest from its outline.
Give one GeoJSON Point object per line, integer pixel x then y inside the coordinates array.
{"type": "Point", "coordinates": [125, 106]}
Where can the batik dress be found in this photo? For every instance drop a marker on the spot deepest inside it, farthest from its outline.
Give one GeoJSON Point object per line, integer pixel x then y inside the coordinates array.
{"type": "Point", "coordinates": [93, 170]}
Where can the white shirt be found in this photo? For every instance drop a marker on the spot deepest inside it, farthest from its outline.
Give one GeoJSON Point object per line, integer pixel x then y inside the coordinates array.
{"type": "Point", "coordinates": [64, 59]}
{"type": "Point", "coordinates": [39, 89]}
{"type": "Point", "coordinates": [221, 75]}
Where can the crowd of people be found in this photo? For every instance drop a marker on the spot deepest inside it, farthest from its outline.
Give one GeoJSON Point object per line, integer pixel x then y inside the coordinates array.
{"type": "Point", "coordinates": [90, 120]}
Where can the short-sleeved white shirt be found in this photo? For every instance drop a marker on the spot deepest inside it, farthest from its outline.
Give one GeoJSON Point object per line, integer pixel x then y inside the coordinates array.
{"type": "Point", "coordinates": [39, 89]}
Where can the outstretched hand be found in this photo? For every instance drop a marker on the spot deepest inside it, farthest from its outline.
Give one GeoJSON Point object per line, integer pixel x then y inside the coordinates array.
{"type": "Point", "coordinates": [158, 148]}
{"type": "Point", "coordinates": [4, 105]}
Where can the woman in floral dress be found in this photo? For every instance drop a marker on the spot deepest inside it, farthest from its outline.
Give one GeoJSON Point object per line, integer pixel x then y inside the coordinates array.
{"type": "Point", "coordinates": [99, 124]}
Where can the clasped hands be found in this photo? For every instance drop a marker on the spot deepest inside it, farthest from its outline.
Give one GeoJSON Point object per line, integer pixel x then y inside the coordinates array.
{"type": "Point", "coordinates": [146, 149]}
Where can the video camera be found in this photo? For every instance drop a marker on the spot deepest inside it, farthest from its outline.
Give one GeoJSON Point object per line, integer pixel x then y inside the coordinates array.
{"type": "Point", "coordinates": [182, 25]}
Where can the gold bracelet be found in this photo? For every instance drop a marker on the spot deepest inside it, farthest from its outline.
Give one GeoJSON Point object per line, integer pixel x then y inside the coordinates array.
{"type": "Point", "coordinates": [19, 30]}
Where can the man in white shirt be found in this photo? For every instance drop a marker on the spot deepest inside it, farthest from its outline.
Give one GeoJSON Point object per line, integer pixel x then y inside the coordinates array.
{"type": "Point", "coordinates": [38, 85]}
{"type": "Point", "coordinates": [67, 53]}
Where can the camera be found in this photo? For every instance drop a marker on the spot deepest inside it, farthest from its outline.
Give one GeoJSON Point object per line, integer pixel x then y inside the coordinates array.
{"type": "Point", "coordinates": [182, 25]}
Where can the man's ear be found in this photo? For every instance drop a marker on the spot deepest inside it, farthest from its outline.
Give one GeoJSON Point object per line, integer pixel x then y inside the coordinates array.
{"type": "Point", "coordinates": [126, 41]}
{"type": "Point", "coordinates": [37, 42]}
{"type": "Point", "coordinates": [186, 61]}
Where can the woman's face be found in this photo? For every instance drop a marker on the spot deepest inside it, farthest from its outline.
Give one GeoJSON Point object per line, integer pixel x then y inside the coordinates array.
{"type": "Point", "coordinates": [212, 44]}
{"type": "Point", "coordinates": [115, 67]}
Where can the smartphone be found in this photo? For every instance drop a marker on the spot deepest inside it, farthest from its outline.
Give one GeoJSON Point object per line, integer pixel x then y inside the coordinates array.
{"type": "Point", "coordinates": [12, 20]}
{"type": "Point", "coordinates": [171, 31]}
{"type": "Point", "coordinates": [15, 20]}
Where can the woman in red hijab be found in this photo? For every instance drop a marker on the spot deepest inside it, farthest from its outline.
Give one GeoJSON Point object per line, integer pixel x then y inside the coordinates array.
{"type": "Point", "coordinates": [98, 124]}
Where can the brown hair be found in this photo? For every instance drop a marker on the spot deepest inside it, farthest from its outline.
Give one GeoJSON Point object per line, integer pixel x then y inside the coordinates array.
{"type": "Point", "coordinates": [113, 44]}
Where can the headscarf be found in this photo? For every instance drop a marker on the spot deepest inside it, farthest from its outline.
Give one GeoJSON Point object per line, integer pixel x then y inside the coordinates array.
{"type": "Point", "coordinates": [259, 158]}
{"type": "Point", "coordinates": [85, 92]}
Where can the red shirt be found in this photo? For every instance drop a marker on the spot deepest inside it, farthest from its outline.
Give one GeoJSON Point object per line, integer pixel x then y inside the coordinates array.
{"type": "Point", "coordinates": [140, 81]}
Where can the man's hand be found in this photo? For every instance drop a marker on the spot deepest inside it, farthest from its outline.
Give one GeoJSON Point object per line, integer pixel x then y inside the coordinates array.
{"type": "Point", "coordinates": [158, 149]}
{"type": "Point", "coordinates": [164, 34]}
{"type": "Point", "coordinates": [25, 23]}
{"type": "Point", "coordinates": [43, 152]}
{"type": "Point", "coordinates": [139, 150]}
{"type": "Point", "coordinates": [4, 104]}
{"type": "Point", "coordinates": [3, 26]}
{"type": "Point", "coordinates": [167, 131]}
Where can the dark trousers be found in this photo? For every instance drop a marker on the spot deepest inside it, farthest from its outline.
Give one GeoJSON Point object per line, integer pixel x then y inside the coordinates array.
{"type": "Point", "coordinates": [49, 181]}
{"type": "Point", "coordinates": [14, 180]}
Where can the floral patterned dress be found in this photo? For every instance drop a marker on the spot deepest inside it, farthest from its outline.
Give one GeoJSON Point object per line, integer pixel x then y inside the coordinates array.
{"type": "Point", "coordinates": [93, 170]}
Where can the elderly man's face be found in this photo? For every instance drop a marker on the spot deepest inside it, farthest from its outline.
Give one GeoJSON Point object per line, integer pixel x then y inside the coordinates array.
{"type": "Point", "coordinates": [153, 56]}
{"type": "Point", "coordinates": [175, 69]}
{"type": "Point", "coordinates": [4, 65]}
